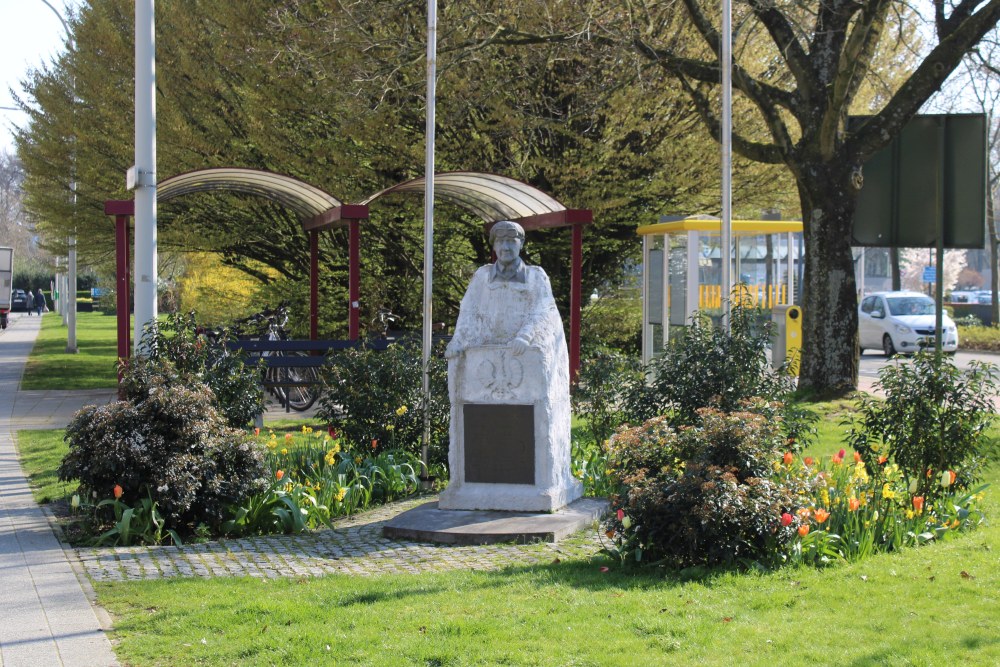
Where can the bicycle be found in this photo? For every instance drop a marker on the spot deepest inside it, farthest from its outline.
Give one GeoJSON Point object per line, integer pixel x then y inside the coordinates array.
{"type": "Point", "coordinates": [295, 387]}
{"type": "Point", "coordinates": [379, 325]}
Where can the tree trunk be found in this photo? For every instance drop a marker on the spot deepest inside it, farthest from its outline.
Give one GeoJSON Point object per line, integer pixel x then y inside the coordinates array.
{"type": "Point", "coordinates": [830, 304]}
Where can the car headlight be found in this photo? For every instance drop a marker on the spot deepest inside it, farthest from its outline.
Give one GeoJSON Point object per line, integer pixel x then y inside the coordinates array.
{"type": "Point", "coordinates": [902, 328]}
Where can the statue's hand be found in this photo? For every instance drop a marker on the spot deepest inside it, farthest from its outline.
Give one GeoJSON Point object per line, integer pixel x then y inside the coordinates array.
{"type": "Point", "coordinates": [519, 345]}
{"type": "Point", "coordinates": [452, 350]}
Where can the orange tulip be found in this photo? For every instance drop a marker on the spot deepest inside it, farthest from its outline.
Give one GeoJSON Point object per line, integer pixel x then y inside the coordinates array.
{"type": "Point", "coordinates": [787, 458]}
{"type": "Point", "coordinates": [803, 530]}
{"type": "Point", "coordinates": [822, 515]}
{"type": "Point", "coordinates": [374, 444]}
{"type": "Point", "coordinates": [918, 504]}
{"type": "Point", "coordinates": [857, 457]}
{"type": "Point", "coordinates": [118, 491]}
{"type": "Point", "coordinates": [853, 504]}
{"type": "Point", "coordinates": [288, 436]}
{"type": "Point", "coordinates": [256, 430]}
{"type": "Point", "coordinates": [882, 459]}
{"type": "Point", "coordinates": [278, 475]}
{"type": "Point", "coordinates": [837, 459]}
{"type": "Point", "coordinates": [808, 460]}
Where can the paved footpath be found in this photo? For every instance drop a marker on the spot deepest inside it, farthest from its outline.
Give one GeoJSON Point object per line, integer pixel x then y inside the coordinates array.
{"type": "Point", "coordinates": [46, 614]}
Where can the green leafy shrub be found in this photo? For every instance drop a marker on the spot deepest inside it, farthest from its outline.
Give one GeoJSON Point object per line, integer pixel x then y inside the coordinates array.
{"type": "Point", "coordinates": [374, 399]}
{"type": "Point", "coordinates": [599, 395]}
{"type": "Point", "coordinates": [171, 445]}
{"type": "Point", "coordinates": [699, 495]}
{"type": "Point", "coordinates": [706, 366]}
{"type": "Point", "coordinates": [614, 323]}
{"type": "Point", "coordinates": [192, 357]}
{"type": "Point", "coordinates": [934, 419]}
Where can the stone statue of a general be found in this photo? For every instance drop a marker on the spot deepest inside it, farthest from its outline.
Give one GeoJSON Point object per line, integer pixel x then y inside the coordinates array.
{"type": "Point", "coordinates": [508, 379]}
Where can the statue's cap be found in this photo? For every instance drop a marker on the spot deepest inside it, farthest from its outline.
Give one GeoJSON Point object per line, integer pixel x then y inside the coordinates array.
{"type": "Point", "coordinates": [506, 228]}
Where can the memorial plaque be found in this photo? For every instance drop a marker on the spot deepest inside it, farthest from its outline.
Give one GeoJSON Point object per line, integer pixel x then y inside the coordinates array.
{"type": "Point", "coordinates": [499, 443]}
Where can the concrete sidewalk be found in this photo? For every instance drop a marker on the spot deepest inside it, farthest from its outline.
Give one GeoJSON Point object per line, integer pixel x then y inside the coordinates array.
{"type": "Point", "coordinates": [46, 613]}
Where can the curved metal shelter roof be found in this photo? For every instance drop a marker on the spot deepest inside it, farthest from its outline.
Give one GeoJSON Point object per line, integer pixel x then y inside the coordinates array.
{"type": "Point", "coordinates": [306, 200]}
{"type": "Point", "coordinates": [489, 196]}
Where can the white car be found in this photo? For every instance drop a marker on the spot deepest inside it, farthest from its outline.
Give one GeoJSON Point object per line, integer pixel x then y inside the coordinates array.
{"type": "Point", "coordinates": [902, 322]}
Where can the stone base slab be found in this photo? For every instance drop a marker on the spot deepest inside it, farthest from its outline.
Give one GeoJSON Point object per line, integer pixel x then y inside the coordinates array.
{"type": "Point", "coordinates": [429, 523]}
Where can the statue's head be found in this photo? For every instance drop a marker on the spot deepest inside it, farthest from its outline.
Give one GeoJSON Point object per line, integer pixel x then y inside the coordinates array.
{"type": "Point", "coordinates": [506, 229]}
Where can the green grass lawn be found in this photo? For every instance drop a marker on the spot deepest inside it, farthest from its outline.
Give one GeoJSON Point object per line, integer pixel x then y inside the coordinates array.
{"type": "Point", "coordinates": [932, 605]}
{"type": "Point", "coordinates": [92, 367]}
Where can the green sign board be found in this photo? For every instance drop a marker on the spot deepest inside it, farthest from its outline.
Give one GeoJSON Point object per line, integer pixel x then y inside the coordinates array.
{"type": "Point", "coordinates": [928, 180]}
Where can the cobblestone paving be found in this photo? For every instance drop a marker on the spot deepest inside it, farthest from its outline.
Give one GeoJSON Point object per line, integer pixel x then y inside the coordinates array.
{"type": "Point", "coordinates": [356, 547]}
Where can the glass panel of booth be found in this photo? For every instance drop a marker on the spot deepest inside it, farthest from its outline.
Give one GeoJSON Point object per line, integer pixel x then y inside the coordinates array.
{"type": "Point", "coordinates": [682, 269]}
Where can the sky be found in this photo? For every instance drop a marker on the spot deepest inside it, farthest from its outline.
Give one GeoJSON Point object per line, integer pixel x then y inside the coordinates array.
{"type": "Point", "coordinates": [30, 35]}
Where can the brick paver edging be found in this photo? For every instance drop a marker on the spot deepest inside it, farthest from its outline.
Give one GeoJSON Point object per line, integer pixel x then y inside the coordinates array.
{"type": "Point", "coordinates": [356, 547]}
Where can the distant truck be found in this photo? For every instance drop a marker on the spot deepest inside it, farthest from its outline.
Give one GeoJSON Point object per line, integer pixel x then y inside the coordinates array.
{"type": "Point", "coordinates": [6, 277]}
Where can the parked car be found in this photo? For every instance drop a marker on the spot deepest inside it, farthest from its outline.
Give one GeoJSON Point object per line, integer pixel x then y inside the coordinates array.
{"type": "Point", "coordinates": [902, 322]}
{"type": "Point", "coordinates": [18, 300]}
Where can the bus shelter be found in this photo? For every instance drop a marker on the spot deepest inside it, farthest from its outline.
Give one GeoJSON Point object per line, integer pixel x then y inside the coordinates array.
{"type": "Point", "coordinates": [682, 269]}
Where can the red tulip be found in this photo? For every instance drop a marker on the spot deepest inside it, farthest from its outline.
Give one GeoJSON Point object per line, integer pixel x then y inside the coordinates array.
{"type": "Point", "coordinates": [786, 519]}
{"type": "Point", "coordinates": [620, 514]}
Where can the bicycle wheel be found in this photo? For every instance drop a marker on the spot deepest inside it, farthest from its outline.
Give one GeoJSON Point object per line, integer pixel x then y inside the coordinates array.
{"type": "Point", "coordinates": [274, 380]}
{"type": "Point", "coordinates": [302, 396]}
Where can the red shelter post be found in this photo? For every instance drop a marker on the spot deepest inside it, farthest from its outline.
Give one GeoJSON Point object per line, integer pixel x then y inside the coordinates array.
{"type": "Point", "coordinates": [575, 305]}
{"type": "Point", "coordinates": [313, 284]}
{"type": "Point", "coordinates": [123, 210]}
{"type": "Point", "coordinates": [354, 280]}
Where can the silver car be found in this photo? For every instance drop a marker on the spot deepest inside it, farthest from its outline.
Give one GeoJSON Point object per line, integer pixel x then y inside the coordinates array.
{"type": "Point", "coordinates": [902, 322]}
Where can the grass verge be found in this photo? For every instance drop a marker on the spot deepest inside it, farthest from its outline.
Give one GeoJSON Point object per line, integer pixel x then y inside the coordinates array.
{"type": "Point", "coordinates": [915, 607]}
{"type": "Point", "coordinates": [92, 367]}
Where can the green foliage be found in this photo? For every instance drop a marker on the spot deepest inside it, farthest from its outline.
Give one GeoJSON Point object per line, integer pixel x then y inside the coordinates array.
{"type": "Point", "coordinates": [699, 495]}
{"type": "Point", "coordinates": [934, 419]}
{"type": "Point", "coordinates": [706, 366]}
{"type": "Point", "coordinates": [170, 445]}
{"type": "Point", "coordinates": [314, 478]}
{"type": "Point", "coordinates": [374, 399]}
{"type": "Point", "coordinates": [613, 322]}
{"type": "Point", "coordinates": [176, 353]}
{"type": "Point", "coordinates": [598, 394]}
{"type": "Point", "coordinates": [979, 337]}
{"type": "Point", "coordinates": [139, 524]}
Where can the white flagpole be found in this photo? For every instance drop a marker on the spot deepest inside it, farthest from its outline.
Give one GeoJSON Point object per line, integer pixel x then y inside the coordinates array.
{"type": "Point", "coordinates": [726, 63]}
{"type": "Point", "coordinates": [429, 224]}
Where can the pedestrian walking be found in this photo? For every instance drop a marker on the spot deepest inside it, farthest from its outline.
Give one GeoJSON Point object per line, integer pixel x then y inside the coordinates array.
{"type": "Point", "coordinates": [39, 300]}
{"type": "Point", "coordinates": [30, 303]}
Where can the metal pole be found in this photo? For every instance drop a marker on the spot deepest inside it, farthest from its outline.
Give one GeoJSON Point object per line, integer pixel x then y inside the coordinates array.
{"type": "Point", "coordinates": [726, 62]}
{"type": "Point", "coordinates": [145, 168]}
{"type": "Point", "coordinates": [429, 228]}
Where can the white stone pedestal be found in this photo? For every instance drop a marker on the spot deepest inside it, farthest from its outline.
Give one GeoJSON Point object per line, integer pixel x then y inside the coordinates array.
{"type": "Point", "coordinates": [510, 433]}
